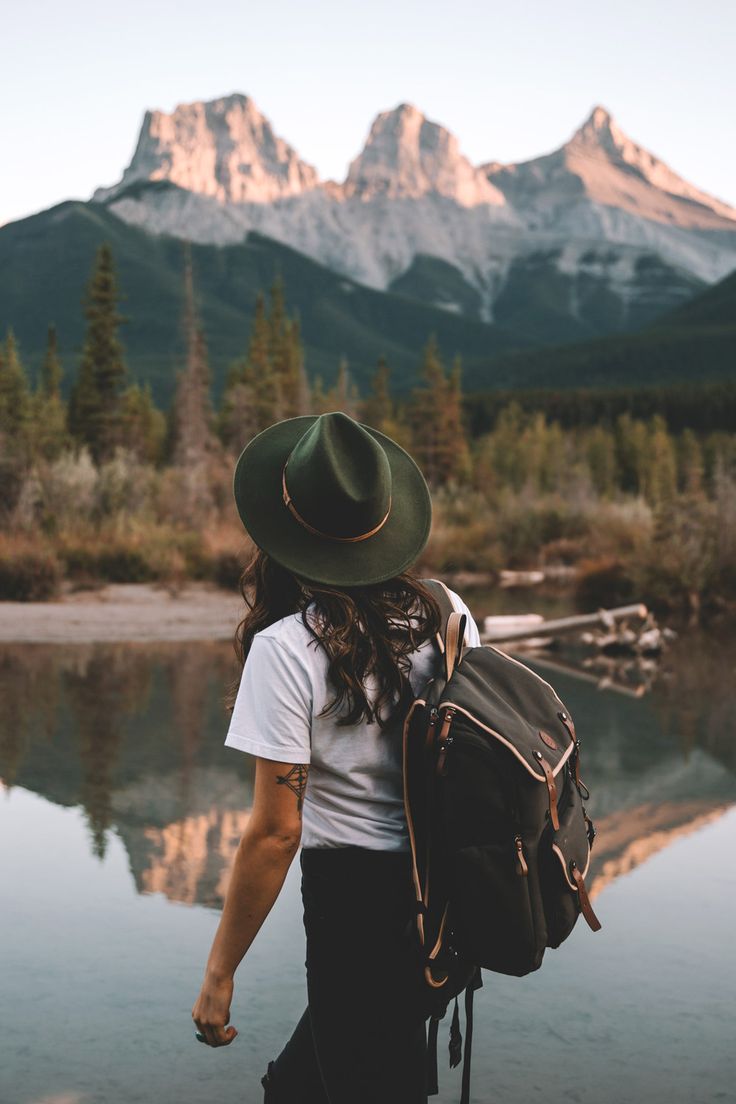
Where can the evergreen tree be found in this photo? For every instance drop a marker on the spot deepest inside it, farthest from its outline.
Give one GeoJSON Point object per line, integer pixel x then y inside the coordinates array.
{"type": "Point", "coordinates": [458, 466]}
{"type": "Point", "coordinates": [51, 370]}
{"type": "Point", "coordinates": [143, 426]}
{"type": "Point", "coordinates": [294, 384]}
{"type": "Point", "coordinates": [253, 398]}
{"type": "Point", "coordinates": [601, 460]}
{"type": "Point", "coordinates": [344, 395]}
{"type": "Point", "coordinates": [632, 446]}
{"type": "Point", "coordinates": [377, 409]}
{"type": "Point", "coordinates": [277, 324]}
{"type": "Point", "coordinates": [14, 394]}
{"type": "Point", "coordinates": [319, 400]}
{"type": "Point", "coordinates": [690, 462]}
{"type": "Point", "coordinates": [49, 429]}
{"type": "Point", "coordinates": [435, 414]}
{"type": "Point", "coordinates": [661, 470]}
{"type": "Point", "coordinates": [191, 437]}
{"type": "Point", "coordinates": [95, 406]}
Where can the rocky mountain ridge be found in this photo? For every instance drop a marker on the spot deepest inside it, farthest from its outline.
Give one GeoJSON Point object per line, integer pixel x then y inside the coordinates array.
{"type": "Point", "coordinates": [590, 213]}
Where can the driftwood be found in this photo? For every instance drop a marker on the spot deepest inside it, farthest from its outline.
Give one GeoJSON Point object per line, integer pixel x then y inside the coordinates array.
{"type": "Point", "coordinates": [500, 629]}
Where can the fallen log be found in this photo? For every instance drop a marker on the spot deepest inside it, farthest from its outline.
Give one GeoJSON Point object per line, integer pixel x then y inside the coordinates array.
{"type": "Point", "coordinates": [605, 618]}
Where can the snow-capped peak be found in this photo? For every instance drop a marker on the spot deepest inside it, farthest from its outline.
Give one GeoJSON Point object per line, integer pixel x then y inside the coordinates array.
{"type": "Point", "coordinates": [408, 156]}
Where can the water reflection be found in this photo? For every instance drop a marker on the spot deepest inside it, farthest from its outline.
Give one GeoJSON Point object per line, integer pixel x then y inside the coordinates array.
{"type": "Point", "coordinates": [133, 734]}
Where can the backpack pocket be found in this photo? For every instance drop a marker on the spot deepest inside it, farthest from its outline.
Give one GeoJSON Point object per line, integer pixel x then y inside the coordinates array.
{"type": "Point", "coordinates": [491, 910]}
{"type": "Point", "coordinates": [564, 863]}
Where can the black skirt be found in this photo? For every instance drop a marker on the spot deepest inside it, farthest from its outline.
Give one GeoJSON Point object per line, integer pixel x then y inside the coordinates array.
{"type": "Point", "coordinates": [362, 1037]}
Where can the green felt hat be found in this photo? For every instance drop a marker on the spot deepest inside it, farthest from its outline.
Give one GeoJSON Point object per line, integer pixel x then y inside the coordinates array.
{"type": "Point", "coordinates": [332, 500]}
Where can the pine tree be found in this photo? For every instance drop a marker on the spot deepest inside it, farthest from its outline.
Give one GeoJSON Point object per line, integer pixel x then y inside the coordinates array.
{"type": "Point", "coordinates": [277, 324]}
{"type": "Point", "coordinates": [601, 460]}
{"type": "Point", "coordinates": [434, 414]}
{"type": "Point", "coordinates": [377, 409]}
{"type": "Point", "coordinates": [14, 394]}
{"type": "Point", "coordinates": [294, 384]}
{"type": "Point", "coordinates": [690, 462]}
{"type": "Point", "coordinates": [143, 426]}
{"type": "Point", "coordinates": [457, 462]}
{"type": "Point", "coordinates": [51, 370]}
{"type": "Point", "coordinates": [49, 429]}
{"type": "Point", "coordinates": [94, 411]}
{"type": "Point", "coordinates": [191, 437]}
{"type": "Point", "coordinates": [319, 400]}
{"type": "Point", "coordinates": [344, 395]}
{"type": "Point", "coordinates": [661, 469]}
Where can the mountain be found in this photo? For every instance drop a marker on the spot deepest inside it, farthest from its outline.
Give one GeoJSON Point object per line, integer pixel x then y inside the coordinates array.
{"type": "Point", "coordinates": [406, 157]}
{"type": "Point", "coordinates": [581, 250]}
{"type": "Point", "coordinates": [225, 149]}
{"type": "Point", "coordinates": [693, 343]}
{"type": "Point", "coordinates": [582, 218]}
{"type": "Point", "coordinates": [45, 263]}
{"type": "Point", "coordinates": [601, 169]}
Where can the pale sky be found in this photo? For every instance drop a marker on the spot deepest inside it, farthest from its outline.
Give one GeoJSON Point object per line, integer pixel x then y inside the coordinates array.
{"type": "Point", "coordinates": [511, 80]}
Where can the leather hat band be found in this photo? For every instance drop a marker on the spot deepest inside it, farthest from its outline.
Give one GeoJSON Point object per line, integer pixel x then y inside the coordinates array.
{"type": "Point", "coordinates": [317, 532]}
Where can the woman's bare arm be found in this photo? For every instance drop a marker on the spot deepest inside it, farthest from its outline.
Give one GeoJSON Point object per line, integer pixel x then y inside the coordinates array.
{"type": "Point", "coordinates": [264, 854]}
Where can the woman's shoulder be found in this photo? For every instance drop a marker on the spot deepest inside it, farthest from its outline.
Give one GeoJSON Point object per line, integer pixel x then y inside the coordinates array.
{"type": "Point", "coordinates": [285, 631]}
{"type": "Point", "coordinates": [289, 633]}
{"type": "Point", "coordinates": [472, 635]}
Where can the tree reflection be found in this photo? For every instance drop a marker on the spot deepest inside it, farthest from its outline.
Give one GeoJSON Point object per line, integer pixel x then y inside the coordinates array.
{"type": "Point", "coordinates": [133, 734]}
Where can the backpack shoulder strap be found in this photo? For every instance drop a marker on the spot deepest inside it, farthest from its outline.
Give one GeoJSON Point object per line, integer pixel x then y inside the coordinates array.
{"type": "Point", "coordinates": [452, 627]}
{"type": "Point", "coordinates": [440, 592]}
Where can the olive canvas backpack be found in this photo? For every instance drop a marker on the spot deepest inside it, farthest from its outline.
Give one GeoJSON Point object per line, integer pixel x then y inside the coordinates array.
{"type": "Point", "coordinates": [500, 838]}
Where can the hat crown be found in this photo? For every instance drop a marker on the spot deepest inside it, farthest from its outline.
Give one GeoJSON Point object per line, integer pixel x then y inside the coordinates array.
{"type": "Point", "coordinates": [338, 478]}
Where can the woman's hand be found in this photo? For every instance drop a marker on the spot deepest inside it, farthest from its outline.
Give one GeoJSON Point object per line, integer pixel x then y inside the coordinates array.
{"type": "Point", "coordinates": [211, 1010]}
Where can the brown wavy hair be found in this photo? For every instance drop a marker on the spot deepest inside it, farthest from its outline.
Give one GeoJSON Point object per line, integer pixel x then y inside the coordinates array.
{"type": "Point", "coordinates": [366, 630]}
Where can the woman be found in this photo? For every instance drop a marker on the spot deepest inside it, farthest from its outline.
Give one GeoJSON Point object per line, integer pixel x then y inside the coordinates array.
{"type": "Point", "coordinates": [338, 634]}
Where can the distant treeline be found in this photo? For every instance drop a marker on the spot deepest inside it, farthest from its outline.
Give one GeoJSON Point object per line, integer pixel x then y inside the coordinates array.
{"type": "Point", "coordinates": [702, 407]}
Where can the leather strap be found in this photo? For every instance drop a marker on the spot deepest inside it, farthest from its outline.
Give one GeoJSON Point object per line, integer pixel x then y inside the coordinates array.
{"type": "Point", "coordinates": [432, 1085]}
{"type": "Point", "coordinates": [454, 637]}
{"type": "Point", "coordinates": [551, 789]}
{"type": "Point", "coordinates": [441, 595]}
{"type": "Point", "coordinates": [585, 906]}
{"type": "Point", "coordinates": [288, 502]}
{"type": "Point", "coordinates": [465, 1093]}
{"type": "Point", "coordinates": [570, 726]}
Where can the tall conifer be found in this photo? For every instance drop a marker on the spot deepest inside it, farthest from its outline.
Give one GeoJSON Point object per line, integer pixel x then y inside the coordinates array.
{"type": "Point", "coordinates": [14, 392]}
{"type": "Point", "coordinates": [377, 409]}
{"type": "Point", "coordinates": [191, 434]}
{"type": "Point", "coordinates": [51, 370]}
{"type": "Point", "coordinates": [95, 402]}
{"type": "Point", "coordinates": [427, 403]}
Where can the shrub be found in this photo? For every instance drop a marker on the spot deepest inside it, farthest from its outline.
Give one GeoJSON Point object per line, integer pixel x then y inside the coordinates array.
{"type": "Point", "coordinates": [29, 572]}
{"type": "Point", "coordinates": [603, 582]}
{"type": "Point", "coordinates": [138, 554]}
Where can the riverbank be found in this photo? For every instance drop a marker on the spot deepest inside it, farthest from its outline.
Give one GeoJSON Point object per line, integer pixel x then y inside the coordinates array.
{"type": "Point", "coordinates": [124, 612]}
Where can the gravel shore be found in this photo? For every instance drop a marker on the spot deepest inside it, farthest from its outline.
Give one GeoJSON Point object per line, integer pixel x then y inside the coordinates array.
{"type": "Point", "coordinates": [130, 611]}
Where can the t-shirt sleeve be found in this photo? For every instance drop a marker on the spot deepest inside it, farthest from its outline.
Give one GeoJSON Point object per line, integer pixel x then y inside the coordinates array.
{"type": "Point", "coordinates": [272, 715]}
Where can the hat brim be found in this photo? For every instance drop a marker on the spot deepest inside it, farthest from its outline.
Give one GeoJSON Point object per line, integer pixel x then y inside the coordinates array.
{"type": "Point", "coordinates": [272, 526]}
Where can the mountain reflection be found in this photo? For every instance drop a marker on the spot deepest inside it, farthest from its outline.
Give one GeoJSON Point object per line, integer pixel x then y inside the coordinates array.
{"type": "Point", "coordinates": [133, 735]}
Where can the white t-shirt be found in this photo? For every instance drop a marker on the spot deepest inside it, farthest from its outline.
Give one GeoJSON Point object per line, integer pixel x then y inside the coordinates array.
{"type": "Point", "coordinates": [354, 792]}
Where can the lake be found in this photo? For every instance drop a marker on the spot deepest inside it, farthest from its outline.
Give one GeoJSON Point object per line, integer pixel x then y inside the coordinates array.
{"type": "Point", "coordinates": [119, 817]}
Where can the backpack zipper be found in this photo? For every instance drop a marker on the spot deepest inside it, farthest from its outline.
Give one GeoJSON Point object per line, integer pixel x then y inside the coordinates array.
{"type": "Point", "coordinates": [445, 739]}
{"type": "Point", "coordinates": [521, 865]}
{"type": "Point", "coordinates": [429, 740]}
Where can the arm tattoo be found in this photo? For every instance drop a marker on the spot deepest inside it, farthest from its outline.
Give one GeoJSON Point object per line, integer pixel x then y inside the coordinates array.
{"type": "Point", "coordinates": [296, 780]}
